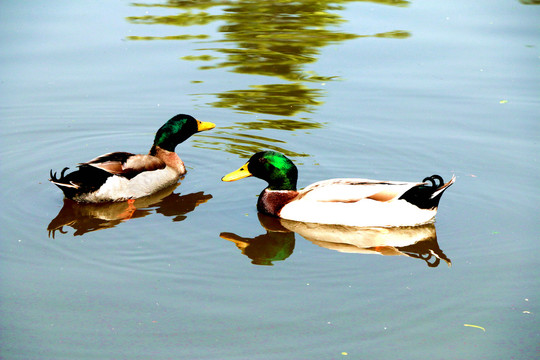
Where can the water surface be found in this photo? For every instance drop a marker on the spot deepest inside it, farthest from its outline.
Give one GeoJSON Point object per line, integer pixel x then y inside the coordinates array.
{"type": "Point", "coordinates": [394, 90]}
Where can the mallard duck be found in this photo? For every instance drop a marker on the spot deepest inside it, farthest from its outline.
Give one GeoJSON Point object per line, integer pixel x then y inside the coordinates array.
{"type": "Point", "coordinates": [353, 202]}
{"type": "Point", "coordinates": [120, 176]}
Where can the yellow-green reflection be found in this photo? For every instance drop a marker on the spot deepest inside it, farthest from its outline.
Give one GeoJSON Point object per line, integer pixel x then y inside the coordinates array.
{"type": "Point", "coordinates": [276, 39]}
{"type": "Point", "coordinates": [273, 99]}
{"type": "Point", "coordinates": [245, 144]}
{"type": "Point", "coordinates": [174, 37]}
{"type": "Point", "coordinates": [271, 38]}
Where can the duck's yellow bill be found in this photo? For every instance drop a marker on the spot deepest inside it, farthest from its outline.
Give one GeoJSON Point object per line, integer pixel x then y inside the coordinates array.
{"type": "Point", "coordinates": [202, 126]}
{"type": "Point", "coordinates": [241, 173]}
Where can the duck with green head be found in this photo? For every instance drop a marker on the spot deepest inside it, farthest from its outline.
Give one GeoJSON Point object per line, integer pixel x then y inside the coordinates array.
{"type": "Point", "coordinates": [352, 202]}
{"type": "Point", "coordinates": [120, 176]}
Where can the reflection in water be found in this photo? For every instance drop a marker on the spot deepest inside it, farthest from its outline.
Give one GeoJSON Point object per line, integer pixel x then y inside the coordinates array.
{"type": "Point", "coordinates": [246, 145]}
{"type": "Point", "coordinates": [273, 99]}
{"type": "Point", "coordinates": [91, 217]}
{"type": "Point", "coordinates": [419, 242]}
{"type": "Point", "coordinates": [276, 245]}
{"type": "Point", "coordinates": [274, 39]}
{"type": "Point", "coordinates": [414, 241]}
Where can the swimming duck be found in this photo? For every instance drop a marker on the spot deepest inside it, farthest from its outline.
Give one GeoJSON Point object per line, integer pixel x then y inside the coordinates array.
{"type": "Point", "coordinates": [353, 202]}
{"type": "Point", "coordinates": [120, 176]}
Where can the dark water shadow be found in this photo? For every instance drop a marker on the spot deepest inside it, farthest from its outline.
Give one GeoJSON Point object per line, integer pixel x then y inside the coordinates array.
{"type": "Point", "coordinates": [84, 218]}
{"type": "Point", "coordinates": [276, 40]}
{"type": "Point", "coordinates": [277, 244]}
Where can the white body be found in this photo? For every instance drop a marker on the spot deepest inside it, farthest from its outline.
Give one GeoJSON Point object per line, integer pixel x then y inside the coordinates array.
{"type": "Point", "coordinates": [348, 202]}
{"type": "Point", "coordinates": [118, 188]}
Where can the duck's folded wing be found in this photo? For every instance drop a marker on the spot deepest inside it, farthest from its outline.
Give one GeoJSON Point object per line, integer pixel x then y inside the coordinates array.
{"type": "Point", "coordinates": [126, 164]}
{"type": "Point", "coordinates": [353, 190]}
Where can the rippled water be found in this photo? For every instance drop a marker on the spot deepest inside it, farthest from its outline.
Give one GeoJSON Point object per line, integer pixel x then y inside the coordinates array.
{"type": "Point", "coordinates": [394, 90]}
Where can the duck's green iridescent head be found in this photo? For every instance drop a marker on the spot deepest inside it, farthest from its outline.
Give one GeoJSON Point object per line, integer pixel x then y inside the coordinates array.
{"type": "Point", "coordinates": [178, 129]}
{"type": "Point", "coordinates": [273, 167]}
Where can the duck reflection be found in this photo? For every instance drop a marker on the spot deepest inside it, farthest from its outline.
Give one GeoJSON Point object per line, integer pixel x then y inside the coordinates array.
{"type": "Point", "coordinates": [417, 242]}
{"type": "Point", "coordinates": [276, 245]}
{"type": "Point", "coordinates": [84, 218]}
{"type": "Point", "coordinates": [273, 39]}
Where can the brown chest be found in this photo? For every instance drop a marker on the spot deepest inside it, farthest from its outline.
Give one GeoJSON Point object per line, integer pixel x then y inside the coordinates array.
{"type": "Point", "coordinates": [272, 201]}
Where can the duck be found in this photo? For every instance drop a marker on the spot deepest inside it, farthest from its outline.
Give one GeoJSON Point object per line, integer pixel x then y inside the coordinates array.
{"type": "Point", "coordinates": [341, 201]}
{"type": "Point", "coordinates": [121, 176]}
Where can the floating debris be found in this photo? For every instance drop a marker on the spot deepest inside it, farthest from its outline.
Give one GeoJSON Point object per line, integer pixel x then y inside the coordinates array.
{"type": "Point", "coordinates": [475, 326]}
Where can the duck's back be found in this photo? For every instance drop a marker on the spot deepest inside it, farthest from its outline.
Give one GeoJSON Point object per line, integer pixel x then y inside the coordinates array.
{"type": "Point", "coordinates": [349, 189]}
{"type": "Point", "coordinates": [359, 202]}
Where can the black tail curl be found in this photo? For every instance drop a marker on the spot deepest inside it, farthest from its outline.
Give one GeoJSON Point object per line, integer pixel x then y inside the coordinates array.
{"type": "Point", "coordinates": [53, 176]}
{"type": "Point", "coordinates": [422, 195]}
{"type": "Point", "coordinates": [435, 180]}
{"type": "Point", "coordinates": [85, 179]}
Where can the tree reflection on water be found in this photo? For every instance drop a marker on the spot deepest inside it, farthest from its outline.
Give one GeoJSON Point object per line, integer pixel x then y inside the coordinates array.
{"type": "Point", "coordinates": [276, 39]}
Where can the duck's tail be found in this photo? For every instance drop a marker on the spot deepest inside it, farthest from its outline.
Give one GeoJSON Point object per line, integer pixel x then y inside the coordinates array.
{"type": "Point", "coordinates": [428, 194]}
{"type": "Point", "coordinates": [68, 187]}
{"type": "Point", "coordinates": [62, 181]}
{"type": "Point", "coordinates": [84, 180]}
{"type": "Point", "coordinates": [441, 188]}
